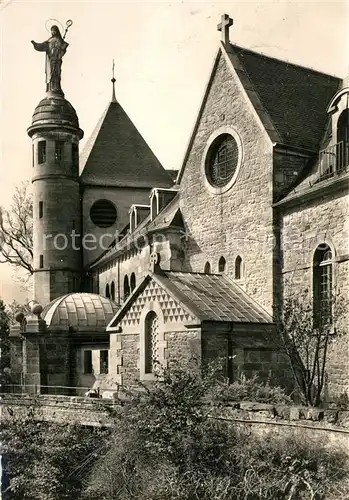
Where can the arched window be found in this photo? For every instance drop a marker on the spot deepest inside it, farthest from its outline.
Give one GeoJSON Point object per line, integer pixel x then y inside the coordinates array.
{"type": "Point", "coordinates": [207, 268]}
{"type": "Point", "coordinates": [238, 268]}
{"type": "Point", "coordinates": [342, 156]}
{"type": "Point", "coordinates": [151, 341]}
{"type": "Point", "coordinates": [322, 285]}
{"type": "Point", "coordinates": [112, 291]}
{"type": "Point", "coordinates": [221, 265]}
{"type": "Point", "coordinates": [107, 293]}
{"type": "Point", "coordinates": [126, 287]}
{"type": "Point", "coordinates": [133, 281]}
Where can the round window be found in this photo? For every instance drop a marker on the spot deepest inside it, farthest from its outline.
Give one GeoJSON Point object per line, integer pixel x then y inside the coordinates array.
{"type": "Point", "coordinates": [222, 160]}
{"type": "Point", "coordinates": [103, 213]}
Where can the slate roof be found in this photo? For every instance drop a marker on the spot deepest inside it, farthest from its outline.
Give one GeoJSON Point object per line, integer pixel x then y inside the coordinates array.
{"type": "Point", "coordinates": [117, 155]}
{"type": "Point", "coordinates": [80, 310]}
{"type": "Point", "coordinates": [208, 297]}
{"type": "Point", "coordinates": [295, 97]}
{"type": "Point", "coordinates": [215, 297]}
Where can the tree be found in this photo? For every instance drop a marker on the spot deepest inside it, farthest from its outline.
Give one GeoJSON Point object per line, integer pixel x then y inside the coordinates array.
{"type": "Point", "coordinates": [14, 308]}
{"type": "Point", "coordinates": [43, 460]}
{"type": "Point", "coordinates": [16, 231]}
{"type": "Point", "coordinates": [7, 318]}
{"type": "Point", "coordinates": [306, 339]}
{"type": "Point", "coordinates": [4, 344]}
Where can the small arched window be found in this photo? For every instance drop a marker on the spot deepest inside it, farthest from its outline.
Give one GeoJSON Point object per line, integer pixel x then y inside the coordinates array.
{"type": "Point", "coordinates": [322, 285]}
{"type": "Point", "coordinates": [343, 126]}
{"type": "Point", "coordinates": [133, 281]}
{"type": "Point", "coordinates": [151, 341]}
{"type": "Point", "coordinates": [112, 290]}
{"type": "Point", "coordinates": [238, 268]}
{"type": "Point", "coordinates": [342, 156]}
{"type": "Point", "coordinates": [126, 287]}
{"type": "Point", "coordinates": [207, 268]}
{"type": "Point", "coordinates": [107, 292]}
{"type": "Point", "coordinates": [221, 265]}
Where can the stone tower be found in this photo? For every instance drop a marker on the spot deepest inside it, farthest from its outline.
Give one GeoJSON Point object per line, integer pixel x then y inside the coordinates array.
{"type": "Point", "coordinates": [55, 135]}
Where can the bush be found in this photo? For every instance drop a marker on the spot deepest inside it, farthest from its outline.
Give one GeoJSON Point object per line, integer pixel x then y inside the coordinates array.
{"type": "Point", "coordinates": [251, 389]}
{"type": "Point", "coordinates": [43, 461]}
{"type": "Point", "coordinates": [166, 446]}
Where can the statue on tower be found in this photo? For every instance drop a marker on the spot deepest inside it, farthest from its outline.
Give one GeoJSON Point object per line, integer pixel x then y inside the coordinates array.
{"type": "Point", "coordinates": [55, 48]}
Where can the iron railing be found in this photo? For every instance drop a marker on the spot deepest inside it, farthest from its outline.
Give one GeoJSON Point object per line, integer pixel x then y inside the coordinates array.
{"type": "Point", "coordinates": [334, 160]}
{"type": "Point", "coordinates": [50, 390]}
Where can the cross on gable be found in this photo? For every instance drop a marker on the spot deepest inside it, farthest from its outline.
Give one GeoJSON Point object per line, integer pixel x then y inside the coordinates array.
{"type": "Point", "coordinates": [224, 26]}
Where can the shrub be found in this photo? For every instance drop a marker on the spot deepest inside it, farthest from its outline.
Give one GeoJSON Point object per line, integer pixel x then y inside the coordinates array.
{"type": "Point", "coordinates": [250, 389]}
{"type": "Point", "coordinates": [166, 446]}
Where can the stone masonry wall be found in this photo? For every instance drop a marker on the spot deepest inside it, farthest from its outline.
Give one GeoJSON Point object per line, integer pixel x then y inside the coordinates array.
{"type": "Point", "coordinates": [122, 198]}
{"type": "Point", "coordinates": [238, 222]}
{"type": "Point", "coordinates": [303, 228]}
{"type": "Point", "coordinates": [329, 426]}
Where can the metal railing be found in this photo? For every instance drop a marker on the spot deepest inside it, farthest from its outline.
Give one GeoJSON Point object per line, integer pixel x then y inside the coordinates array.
{"type": "Point", "coordinates": [49, 390]}
{"type": "Point", "coordinates": [334, 160]}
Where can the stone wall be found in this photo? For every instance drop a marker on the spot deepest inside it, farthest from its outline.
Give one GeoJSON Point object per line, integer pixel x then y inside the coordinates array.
{"type": "Point", "coordinates": [239, 221]}
{"type": "Point", "coordinates": [328, 426]}
{"type": "Point", "coordinates": [122, 198]}
{"type": "Point", "coordinates": [303, 228]}
{"type": "Point", "coordinates": [253, 351]}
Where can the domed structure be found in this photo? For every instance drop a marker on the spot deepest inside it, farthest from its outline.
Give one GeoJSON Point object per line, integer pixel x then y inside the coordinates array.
{"type": "Point", "coordinates": [80, 311]}
{"type": "Point", "coordinates": [54, 109]}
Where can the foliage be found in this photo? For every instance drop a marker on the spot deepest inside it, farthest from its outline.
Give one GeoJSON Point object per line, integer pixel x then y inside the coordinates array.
{"type": "Point", "coordinates": [307, 341]}
{"type": "Point", "coordinates": [7, 318]}
{"type": "Point", "coordinates": [16, 231]}
{"type": "Point", "coordinates": [16, 307]}
{"type": "Point", "coordinates": [4, 343]}
{"type": "Point", "coordinates": [167, 445]}
{"type": "Point", "coordinates": [250, 389]}
{"type": "Point", "coordinates": [43, 461]}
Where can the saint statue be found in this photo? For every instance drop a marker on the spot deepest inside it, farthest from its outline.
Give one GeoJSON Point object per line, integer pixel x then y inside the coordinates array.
{"type": "Point", "coordinates": [55, 48]}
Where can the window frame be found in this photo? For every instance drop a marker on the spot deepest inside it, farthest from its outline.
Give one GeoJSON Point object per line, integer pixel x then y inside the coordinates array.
{"type": "Point", "coordinates": [320, 266]}
{"type": "Point", "coordinates": [59, 151]}
{"type": "Point", "coordinates": [222, 263]}
{"type": "Point", "coordinates": [88, 362]}
{"type": "Point", "coordinates": [220, 131]}
{"type": "Point", "coordinates": [104, 370]}
{"type": "Point", "coordinates": [42, 152]}
{"type": "Point", "coordinates": [238, 268]}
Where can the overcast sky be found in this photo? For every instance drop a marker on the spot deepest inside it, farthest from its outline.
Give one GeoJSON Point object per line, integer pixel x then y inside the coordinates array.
{"type": "Point", "coordinates": [163, 56]}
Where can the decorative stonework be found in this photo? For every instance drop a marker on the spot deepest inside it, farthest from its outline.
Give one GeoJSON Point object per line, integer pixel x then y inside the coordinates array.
{"type": "Point", "coordinates": [172, 310]}
{"type": "Point", "coordinates": [221, 131]}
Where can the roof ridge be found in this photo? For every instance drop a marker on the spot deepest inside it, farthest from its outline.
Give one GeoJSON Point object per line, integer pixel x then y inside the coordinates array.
{"type": "Point", "coordinates": [286, 62]}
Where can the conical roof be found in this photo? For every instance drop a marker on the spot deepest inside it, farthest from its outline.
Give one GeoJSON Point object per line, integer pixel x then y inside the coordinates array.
{"type": "Point", "coordinates": [117, 155]}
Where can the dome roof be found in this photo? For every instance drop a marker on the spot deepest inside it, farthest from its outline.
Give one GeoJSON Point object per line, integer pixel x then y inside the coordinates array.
{"type": "Point", "coordinates": [80, 311]}
{"type": "Point", "coordinates": [54, 110]}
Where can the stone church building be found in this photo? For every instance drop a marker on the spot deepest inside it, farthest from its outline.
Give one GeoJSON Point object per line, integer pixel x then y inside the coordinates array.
{"type": "Point", "coordinates": [135, 264]}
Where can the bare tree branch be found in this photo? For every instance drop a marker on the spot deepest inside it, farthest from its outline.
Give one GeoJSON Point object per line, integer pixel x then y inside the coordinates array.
{"type": "Point", "coordinates": [16, 231]}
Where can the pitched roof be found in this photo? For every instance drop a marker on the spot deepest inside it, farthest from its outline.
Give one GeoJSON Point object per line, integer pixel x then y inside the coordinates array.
{"type": "Point", "coordinates": [215, 297]}
{"type": "Point", "coordinates": [291, 100]}
{"type": "Point", "coordinates": [117, 155]}
{"type": "Point", "coordinates": [208, 297]}
{"type": "Point", "coordinates": [295, 97]}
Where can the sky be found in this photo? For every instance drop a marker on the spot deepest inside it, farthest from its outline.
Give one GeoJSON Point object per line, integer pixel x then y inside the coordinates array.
{"type": "Point", "coordinates": [163, 54]}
